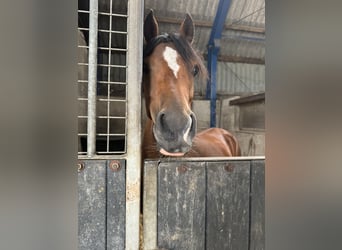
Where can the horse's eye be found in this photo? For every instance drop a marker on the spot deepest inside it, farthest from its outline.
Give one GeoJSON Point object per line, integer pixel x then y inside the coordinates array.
{"type": "Point", "coordinates": [195, 70]}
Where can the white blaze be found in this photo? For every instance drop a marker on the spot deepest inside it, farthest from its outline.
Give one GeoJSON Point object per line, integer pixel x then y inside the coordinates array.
{"type": "Point", "coordinates": [186, 134]}
{"type": "Point", "coordinates": [170, 56]}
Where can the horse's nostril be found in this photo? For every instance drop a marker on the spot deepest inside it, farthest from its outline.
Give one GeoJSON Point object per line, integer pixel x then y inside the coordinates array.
{"type": "Point", "coordinates": [161, 119]}
{"type": "Point", "coordinates": [193, 123]}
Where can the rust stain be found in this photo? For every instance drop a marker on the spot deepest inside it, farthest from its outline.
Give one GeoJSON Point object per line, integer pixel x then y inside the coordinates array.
{"type": "Point", "coordinates": [229, 168]}
{"type": "Point", "coordinates": [133, 191]}
{"type": "Point", "coordinates": [80, 166]}
{"type": "Point", "coordinates": [182, 169]}
{"type": "Point", "coordinates": [115, 165]}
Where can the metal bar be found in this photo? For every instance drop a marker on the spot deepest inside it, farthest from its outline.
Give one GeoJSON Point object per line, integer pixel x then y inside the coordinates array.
{"type": "Point", "coordinates": [92, 77]}
{"type": "Point", "coordinates": [213, 49]}
{"type": "Point", "coordinates": [113, 31]}
{"type": "Point", "coordinates": [111, 153]}
{"type": "Point", "coordinates": [112, 14]}
{"type": "Point", "coordinates": [206, 159]}
{"type": "Point", "coordinates": [122, 83]}
{"type": "Point", "coordinates": [133, 125]}
{"type": "Point", "coordinates": [113, 66]}
{"type": "Point", "coordinates": [248, 99]}
{"type": "Point", "coordinates": [208, 24]}
{"type": "Point", "coordinates": [111, 100]}
{"type": "Point", "coordinates": [111, 117]}
{"type": "Point", "coordinates": [116, 118]}
{"type": "Point", "coordinates": [105, 156]}
{"type": "Point", "coordinates": [238, 59]}
{"type": "Point", "coordinates": [108, 76]}
{"type": "Point", "coordinates": [220, 18]}
{"type": "Point", "coordinates": [244, 38]}
{"type": "Point", "coordinates": [106, 134]}
{"type": "Point", "coordinates": [111, 82]}
{"type": "Point", "coordinates": [213, 70]}
{"type": "Point", "coordinates": [111, 49]}
{"type": "Point", "coordinates": [83, 11]}
{"type": "Point", "coordinates": [189, 159]}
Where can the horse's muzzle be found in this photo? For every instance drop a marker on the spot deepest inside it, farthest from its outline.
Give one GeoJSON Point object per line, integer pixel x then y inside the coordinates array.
{"type": "Point", "coordinates": [174, 132]}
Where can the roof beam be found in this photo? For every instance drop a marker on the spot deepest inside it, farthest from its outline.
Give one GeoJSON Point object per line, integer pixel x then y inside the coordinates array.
{"type": "Point", "coordinates": [208, 24]}
{"type": "Point", "coordinates": [238, 59]}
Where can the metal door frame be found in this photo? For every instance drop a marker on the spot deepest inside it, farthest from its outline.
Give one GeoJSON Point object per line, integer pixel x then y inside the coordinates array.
{"type": "Point", "coordinates": [133, 123]}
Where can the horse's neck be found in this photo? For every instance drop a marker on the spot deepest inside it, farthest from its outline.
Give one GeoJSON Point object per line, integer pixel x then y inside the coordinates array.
{"type": "Point", "coordinates": [148, 136]}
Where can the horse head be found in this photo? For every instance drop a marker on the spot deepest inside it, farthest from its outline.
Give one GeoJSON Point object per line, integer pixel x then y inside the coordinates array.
{"type": "Point", "coordinates": [170, 66]}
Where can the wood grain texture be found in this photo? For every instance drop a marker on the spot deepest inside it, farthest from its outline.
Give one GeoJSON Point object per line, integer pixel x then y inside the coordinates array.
{"type": "Point", "coordinates": [228, 185]}
{"type": "Point", "coordinates": [257, 227]}
{"type": "Point", "coordinates": [116, 207]}
{"type": "Point", "coordinates": [181, 205]}
{"type": "Point", "coordinates": [92, 206]}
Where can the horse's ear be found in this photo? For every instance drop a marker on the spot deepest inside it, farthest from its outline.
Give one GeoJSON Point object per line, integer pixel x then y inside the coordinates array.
{"type": "Point", "coordinates": [187, 28]}
{"type": "Point", "coordinates": [151, 29]}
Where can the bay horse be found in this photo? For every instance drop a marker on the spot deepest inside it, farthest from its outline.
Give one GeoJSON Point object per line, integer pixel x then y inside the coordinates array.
{"type": "Point", "coordinates": [170, 66]}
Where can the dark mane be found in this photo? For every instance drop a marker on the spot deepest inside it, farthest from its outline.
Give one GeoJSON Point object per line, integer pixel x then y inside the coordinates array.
{"type": "Point", "coordinates": [189, 55]}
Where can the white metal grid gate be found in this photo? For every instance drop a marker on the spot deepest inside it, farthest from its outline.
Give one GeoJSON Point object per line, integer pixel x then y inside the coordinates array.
{"type": "Point", "coordinates": [102, 80]}
{"type": "Point", "coordinates": [109, 75]}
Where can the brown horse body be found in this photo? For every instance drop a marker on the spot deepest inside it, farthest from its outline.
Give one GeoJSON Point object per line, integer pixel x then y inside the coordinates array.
{"type": "Point", "coordinates": [170, 65]}
{"type": "Point", "coordinates": [207, 143]}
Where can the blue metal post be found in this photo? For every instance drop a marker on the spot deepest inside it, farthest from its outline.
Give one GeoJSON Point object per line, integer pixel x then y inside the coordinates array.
{"type": "Point", "coordinates": [213, 49]}
{"type": "Point", "coordinates": [212, 67]}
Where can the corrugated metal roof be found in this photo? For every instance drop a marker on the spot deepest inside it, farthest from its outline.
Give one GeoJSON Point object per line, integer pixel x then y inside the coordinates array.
{"type": "Point", "coordinates": [243, 36]}
{"type": "Point", "coordinates": [247, 12]}
{"type": "Point", "coordinates": [243, 15]}
{"type": "Point", "coordinates": [236, 79]}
